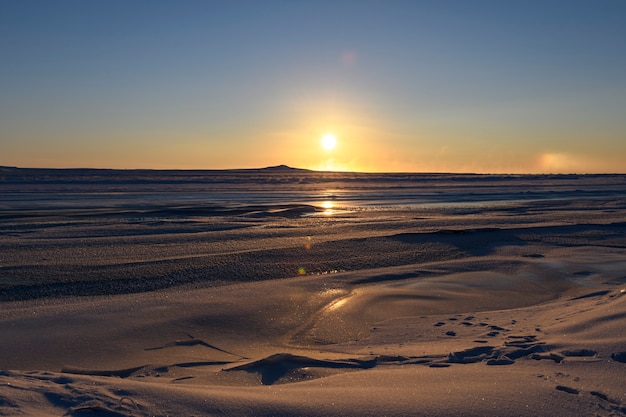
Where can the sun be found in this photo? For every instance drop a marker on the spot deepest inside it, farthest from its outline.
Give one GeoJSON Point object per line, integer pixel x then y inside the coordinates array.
{"type": "Point", "coordinates": [329, 141]}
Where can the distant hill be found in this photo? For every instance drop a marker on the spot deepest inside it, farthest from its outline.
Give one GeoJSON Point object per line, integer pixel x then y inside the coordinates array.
{"type": "Point", "coordinates": [282, 168]}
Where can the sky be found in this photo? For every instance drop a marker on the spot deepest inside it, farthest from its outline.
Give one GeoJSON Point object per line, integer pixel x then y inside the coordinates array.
{"type": "Point", "coordinates": [404, 86]}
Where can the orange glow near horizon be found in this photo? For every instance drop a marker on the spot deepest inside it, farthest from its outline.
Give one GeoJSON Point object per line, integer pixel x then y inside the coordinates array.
{"type": "Point", "coordinates": [361, 145]}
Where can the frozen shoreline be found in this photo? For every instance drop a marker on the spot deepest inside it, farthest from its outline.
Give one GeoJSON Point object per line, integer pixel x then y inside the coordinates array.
{"type": "Point", "coordinates": [507, 309]}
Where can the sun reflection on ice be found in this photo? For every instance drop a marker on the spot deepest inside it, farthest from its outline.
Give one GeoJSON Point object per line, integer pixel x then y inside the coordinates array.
{"type": "Point", "coordinates": [341, 298]}
{"type": "Point", "coordinates": [336, 304]}
{"type": "Point", "coordinates": [328, 207]}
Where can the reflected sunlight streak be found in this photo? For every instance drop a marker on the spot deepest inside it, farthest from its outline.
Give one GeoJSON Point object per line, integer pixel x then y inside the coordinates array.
{"type": "Point", "coordinates": [328, 207]}
{"type": "Point", "coordinates": [337, 304]}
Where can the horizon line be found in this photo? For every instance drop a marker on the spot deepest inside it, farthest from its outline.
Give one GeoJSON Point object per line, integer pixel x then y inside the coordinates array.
{"type": "Point", "coordinates": [288, 168]}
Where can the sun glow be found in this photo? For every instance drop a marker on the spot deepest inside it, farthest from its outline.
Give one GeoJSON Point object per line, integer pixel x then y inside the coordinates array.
{"type": "Point", "coordinates": [329, 141]}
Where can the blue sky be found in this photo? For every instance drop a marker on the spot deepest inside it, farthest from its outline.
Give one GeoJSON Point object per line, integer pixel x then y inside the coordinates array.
{"type": "Point", "coordinates": [453, 86]}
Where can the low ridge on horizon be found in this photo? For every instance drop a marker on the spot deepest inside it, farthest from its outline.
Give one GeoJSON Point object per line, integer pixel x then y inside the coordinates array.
{"type": "Point", "coordinates": [287, 168]}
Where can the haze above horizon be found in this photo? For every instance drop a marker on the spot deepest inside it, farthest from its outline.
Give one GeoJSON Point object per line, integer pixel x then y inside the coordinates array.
{"type": "Point", "coordinates": [369, 86]}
